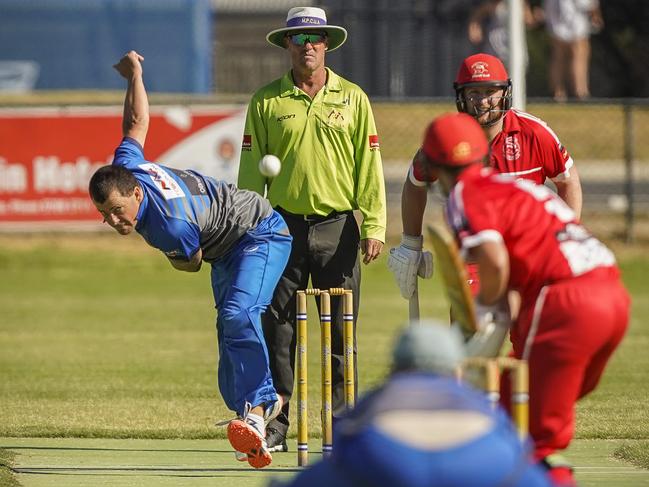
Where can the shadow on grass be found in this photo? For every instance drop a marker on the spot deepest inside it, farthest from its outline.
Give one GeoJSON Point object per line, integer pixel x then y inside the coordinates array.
{"type": "Point", "coordinates": [7, 471]}
{"type": "Point", "coordinates": [186, 471]}
{"type": "Point", "coordinates": [74, 448]}
{"type": "Point", "coordinates": [634, 452]}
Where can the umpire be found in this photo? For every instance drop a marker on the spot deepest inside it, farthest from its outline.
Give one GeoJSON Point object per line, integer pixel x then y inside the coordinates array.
{"type": "Point", "coordinates": [322, 128]}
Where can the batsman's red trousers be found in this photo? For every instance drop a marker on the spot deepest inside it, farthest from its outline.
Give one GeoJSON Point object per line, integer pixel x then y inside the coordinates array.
{"type": "Point", "coordinates": [567, 332]}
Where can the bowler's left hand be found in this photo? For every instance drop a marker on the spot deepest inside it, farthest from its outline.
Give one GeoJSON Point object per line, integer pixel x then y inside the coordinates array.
{"type": "Point", "coordinates": [371, 249]}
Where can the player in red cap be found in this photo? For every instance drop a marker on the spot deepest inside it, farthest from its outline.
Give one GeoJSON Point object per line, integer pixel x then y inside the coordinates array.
{"type": "Point", "coordinates": [574, 308]}
{"type": "Point", "coordinates": [520, 145]}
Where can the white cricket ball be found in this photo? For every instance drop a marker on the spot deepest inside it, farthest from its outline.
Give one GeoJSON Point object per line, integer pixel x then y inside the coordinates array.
{"type": "Point", "coordinates": [270, 165]}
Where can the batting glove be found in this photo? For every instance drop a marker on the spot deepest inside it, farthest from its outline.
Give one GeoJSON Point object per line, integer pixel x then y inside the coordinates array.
{"type": "Point", "coordinates": [495, 313]}
{"type": "Point", "coordinates": [493, 326]}
{"type": "Point", "coordinates": [407, 261]}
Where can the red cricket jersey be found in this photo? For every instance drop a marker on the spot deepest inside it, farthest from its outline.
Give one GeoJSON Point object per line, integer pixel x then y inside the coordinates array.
{"type": "Point", "coordinates": [525, 148]}
{"type": "Point", "coordinates": [544, 241]}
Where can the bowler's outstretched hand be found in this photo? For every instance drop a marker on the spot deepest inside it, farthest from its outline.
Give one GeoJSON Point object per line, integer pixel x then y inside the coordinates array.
{"type": "Point", "coordinates": [130, 65]}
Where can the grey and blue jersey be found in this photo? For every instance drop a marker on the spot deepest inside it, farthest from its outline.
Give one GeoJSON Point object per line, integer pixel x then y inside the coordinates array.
{"type": "Point", "coordinates": [183, 210]}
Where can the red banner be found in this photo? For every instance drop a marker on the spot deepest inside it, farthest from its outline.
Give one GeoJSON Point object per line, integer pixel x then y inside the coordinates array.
{"type": "Point", "coordinates": [47, 156]}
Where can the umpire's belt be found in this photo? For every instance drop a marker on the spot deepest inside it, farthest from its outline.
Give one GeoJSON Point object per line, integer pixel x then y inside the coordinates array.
{"type": "Point", "coordinates": [312, 218]}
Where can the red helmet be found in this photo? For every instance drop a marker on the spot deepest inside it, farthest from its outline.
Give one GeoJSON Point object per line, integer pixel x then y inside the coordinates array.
{"type": "Point", "coordinates": [482, 70]}
{"type": "Point", "coordinates": [455, 139]}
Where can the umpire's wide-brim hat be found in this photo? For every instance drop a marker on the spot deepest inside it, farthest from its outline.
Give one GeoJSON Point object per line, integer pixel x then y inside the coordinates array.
{"type": "Point", "coordinates": [300, 19]}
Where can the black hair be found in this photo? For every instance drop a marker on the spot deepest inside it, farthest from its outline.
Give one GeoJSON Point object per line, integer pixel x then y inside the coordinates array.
{"type": "Point", "coordinates": [108, 178]}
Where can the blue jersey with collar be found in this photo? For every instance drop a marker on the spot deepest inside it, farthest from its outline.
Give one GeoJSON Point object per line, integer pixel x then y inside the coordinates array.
{"type": "Point", "coordinates": [183, 210]}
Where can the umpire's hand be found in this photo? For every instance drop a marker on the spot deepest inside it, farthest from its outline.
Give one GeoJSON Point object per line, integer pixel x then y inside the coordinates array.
{"type": "Point", "coordinates": [371, 249]}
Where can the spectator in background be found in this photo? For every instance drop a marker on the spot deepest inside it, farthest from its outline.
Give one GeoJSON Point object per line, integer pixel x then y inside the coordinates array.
{"type": "Point", "coordinates": [422, 428]}
{"type": "Point", "coordinates": [570, 24]}
{"type": "Point", "coordinates": [322, 128]}
{"type": "Point", "coordinates": [488, 28]}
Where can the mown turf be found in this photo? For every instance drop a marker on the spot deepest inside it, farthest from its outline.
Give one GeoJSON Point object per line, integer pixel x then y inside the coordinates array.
{"type": "Point", "coordinates": [103, 339]}
{"type": "Point", "coordinates": [78, 462]}
{"type": "Point", "coordinates": [636, 452]}
{"type": "Point", "coordinates": [618, 408]}
{"type": "Point", "coordinates": [100, 338]}
{"type": "Point", "coordinates": [7, 478]}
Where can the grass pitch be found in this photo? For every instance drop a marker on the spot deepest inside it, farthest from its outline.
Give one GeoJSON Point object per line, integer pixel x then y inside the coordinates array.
{"type": "Point", "coordinates": [75, 462]}
{"type": "Point", "coordinates": [102, 339]}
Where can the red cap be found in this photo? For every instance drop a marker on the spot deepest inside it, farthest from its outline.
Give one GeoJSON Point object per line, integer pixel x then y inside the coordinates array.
{"type": "Point", "coordinates": [482, 68]}
{"type": "Point", "coordinates": [455, 139]}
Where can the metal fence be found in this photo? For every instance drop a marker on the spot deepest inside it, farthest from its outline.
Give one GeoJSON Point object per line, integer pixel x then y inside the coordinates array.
{"type": "Point", "coordinates": [608, 140]}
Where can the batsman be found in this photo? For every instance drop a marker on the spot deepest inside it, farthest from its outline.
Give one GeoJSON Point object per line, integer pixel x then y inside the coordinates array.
{"type": "Point", "coordinates": [574, 308]}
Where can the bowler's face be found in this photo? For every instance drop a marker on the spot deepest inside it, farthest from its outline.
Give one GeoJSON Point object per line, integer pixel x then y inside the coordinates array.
{"type": "Point", "coordinates": [307, 57]}
{"type": "Point", "coordinates": [119, 211]}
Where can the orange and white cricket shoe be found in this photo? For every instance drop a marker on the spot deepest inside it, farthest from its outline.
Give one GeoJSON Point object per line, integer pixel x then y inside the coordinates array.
{"type": "Point", "coordinates": [247, 439]}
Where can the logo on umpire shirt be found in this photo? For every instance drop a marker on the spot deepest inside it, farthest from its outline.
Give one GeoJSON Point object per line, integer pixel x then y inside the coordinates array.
{"type": "Point", "coordinates": [374, 142]}
{"type": "Point", "coordinates": [285, 117]}
{"type": "Point", "coordinates": [246, 144]}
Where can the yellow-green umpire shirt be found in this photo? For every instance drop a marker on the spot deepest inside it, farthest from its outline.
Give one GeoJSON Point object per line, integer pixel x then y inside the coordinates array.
{"type": "Point", "coordinates": [328, 146]}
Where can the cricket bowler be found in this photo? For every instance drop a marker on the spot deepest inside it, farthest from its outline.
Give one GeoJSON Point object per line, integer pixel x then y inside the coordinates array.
{"type": "Point", "coordinates": [193, 218]}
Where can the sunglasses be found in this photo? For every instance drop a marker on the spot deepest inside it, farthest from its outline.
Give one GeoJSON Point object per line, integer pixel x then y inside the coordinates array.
{"type": "Point", "coordinates": [302, 39]}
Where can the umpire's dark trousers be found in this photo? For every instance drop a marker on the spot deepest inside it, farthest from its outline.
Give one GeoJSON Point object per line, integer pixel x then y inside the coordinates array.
{"type": "Point", "coordinates": [326, 249]}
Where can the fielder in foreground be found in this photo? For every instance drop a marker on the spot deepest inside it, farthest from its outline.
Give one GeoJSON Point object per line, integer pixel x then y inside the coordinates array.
{"type": "Point", "coordinates": [574, 308]}
{"type": "Point", "coordinates": [193, 218]}
{"type": "Point", "coordinates": [423, 428]}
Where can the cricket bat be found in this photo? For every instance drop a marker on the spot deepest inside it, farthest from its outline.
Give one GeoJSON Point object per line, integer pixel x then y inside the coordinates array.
{"type": "Point", "coordinates": [413, 305]}
{"type": "Point", "coordinates": [452, 268]}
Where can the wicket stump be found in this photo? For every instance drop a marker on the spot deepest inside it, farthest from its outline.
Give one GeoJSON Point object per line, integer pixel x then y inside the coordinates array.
{"type": "Point", "coordinates": [492, 369]}
{"type": "Point", "coordinates": [325, 344]}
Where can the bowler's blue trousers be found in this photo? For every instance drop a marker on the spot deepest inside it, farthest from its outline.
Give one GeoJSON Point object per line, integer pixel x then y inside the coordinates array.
{"type": "Point", "coordinates": [243, 282]}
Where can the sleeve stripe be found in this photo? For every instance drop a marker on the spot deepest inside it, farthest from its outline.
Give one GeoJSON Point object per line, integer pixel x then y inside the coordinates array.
{"type": "Point", "coordinates": [520, 173]}
{"type": "Point", "coordinates": [565, 174]}
{"type": "Point", "coordinates": [540, 123]}
{"type": "Point", "coordinates": [413, 179]}
{"type": "Point", "coordinates": [480, 238]}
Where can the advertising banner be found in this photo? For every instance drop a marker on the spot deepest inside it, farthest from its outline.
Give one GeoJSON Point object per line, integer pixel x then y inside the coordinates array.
{"type": "Point", "coordinates": [47, 156]}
